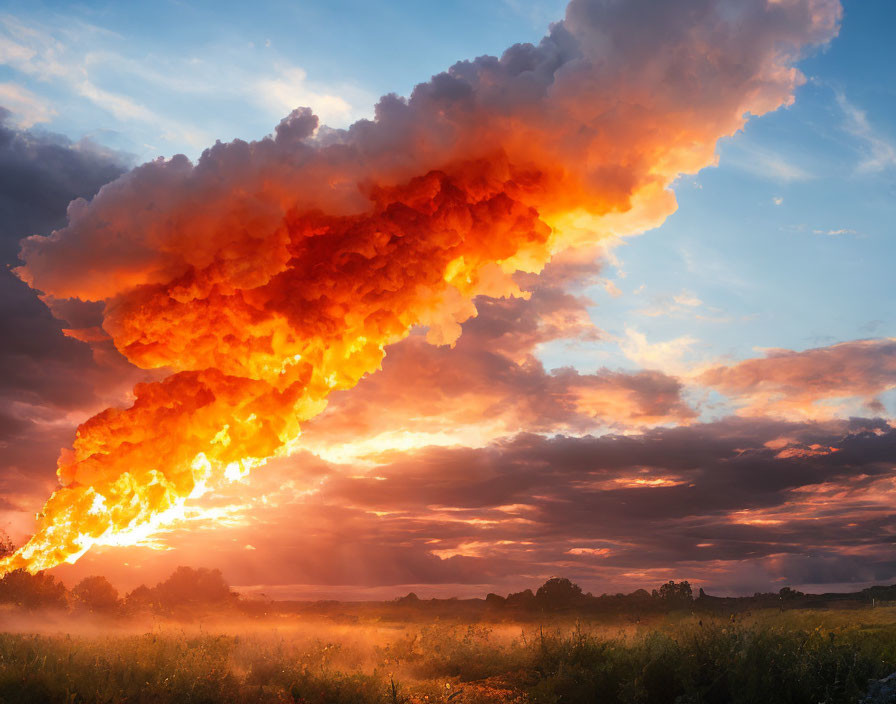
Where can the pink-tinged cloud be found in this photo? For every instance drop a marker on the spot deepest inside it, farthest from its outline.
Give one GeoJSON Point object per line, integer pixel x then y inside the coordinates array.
{"type": "Point", "coordinates": [491, 384]}
{"type": "Point", "coordinates": [814, 383]}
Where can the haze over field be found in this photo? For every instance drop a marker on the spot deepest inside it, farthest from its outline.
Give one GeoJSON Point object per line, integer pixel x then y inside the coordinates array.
{"type": "Point", "coordinates": [614, 304]}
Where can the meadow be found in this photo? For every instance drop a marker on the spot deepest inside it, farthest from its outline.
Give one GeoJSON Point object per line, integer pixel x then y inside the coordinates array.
{"type": "Point", "coordinates": [770, 656]}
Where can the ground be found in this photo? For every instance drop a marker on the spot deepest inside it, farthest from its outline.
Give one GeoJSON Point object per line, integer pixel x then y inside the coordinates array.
{"type": "Point", "coordinates": [766, 656]}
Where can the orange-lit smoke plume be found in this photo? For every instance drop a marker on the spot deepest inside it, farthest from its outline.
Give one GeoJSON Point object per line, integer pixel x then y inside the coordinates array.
{"type": "Point", "coordinates": [273, 272]}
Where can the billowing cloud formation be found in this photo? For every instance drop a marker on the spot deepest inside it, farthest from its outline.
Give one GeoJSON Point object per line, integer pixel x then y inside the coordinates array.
{"type": "Point", "coordinates": [809, 383]}
{"type": "Point", "coordinates": [274, 272]}
{"type": "Point", "coordinates": [602, 114]}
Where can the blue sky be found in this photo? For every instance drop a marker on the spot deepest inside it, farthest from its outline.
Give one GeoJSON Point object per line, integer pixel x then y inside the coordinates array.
{"type": "Point", "coordinates": [211, 71]}
{"type": "Point", "coordinates": [790, 241]}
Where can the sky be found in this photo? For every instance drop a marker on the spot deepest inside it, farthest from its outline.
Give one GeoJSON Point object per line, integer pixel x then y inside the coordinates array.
{"type": "Point", "coordinates": [694, 389]}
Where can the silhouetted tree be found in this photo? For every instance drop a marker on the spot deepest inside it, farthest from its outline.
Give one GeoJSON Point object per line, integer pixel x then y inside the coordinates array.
{"type": "Point", "coordinates": [521, 600]}
{"type": "Point", "coordinates": [558, 593]}
{"type": "Point", "coordinates": [494, 600]}
{"type": "Point", "coordinates": [188, 586]}
{"type": "Point", "coordinates": [33, 591]}
{"type": "Point", "coordinates": [675, 594]}
{"type": "Point", "coordinates": [787, 593]}
{"type": "Point", "coordinates": [140, 599]}
{"type": "Point", "coordinates": [96, 594]}
{"type": "Point", "coordinates": [409, 599]}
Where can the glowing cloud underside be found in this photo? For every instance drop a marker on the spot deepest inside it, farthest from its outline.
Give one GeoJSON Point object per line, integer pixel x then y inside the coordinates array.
{"type": "Point", "coordinates": [273, 272]}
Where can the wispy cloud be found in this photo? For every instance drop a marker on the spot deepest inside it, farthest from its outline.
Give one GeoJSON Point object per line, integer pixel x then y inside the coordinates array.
{"type": "Point", "coordinates": [119, 105]}
{"type": "Point", "coordinates": [27, 108]}
{"type": "Point", "coordinates": [764, 163]}
{"type": "Point", "coordinates": [668, 356]}
{"type": "Point", "coordinates": [39, 53]}
{"type": "Point", "coordinates": [879, 150]}
{"type": "Point", "coordinates": [276, 90]}
{"type": "Point", "coordinates": [683, 302]}
{"type": "Point", "coordinates": [82, 61]}
{"type": "Point", "coordinates": [290, 88]}
{"type": "Point", "coordinates": [836, 232]}
{"type": "Point", "coordinates": [803, 228]}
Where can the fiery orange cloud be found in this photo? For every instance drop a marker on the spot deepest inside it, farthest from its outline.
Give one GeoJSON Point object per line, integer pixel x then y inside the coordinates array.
{"type": "Point", "coordinates": [274, 272]}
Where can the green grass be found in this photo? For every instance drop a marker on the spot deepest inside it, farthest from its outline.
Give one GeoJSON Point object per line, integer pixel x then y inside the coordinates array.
{"type": "Point", "coordinates": [771, 657]}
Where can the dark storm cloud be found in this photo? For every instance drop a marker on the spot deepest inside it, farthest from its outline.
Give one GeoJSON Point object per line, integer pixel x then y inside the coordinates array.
{"type": "Point", "coordinates": [45, 374]}
{"type": "Point", "coordinates": [775, 494]}
{"type": "Point", "coordinates": [737, 505]}
{"type": "Point", "coordinates": [711, 468]}
{"type": "Point", "coordinates": [40, 174]}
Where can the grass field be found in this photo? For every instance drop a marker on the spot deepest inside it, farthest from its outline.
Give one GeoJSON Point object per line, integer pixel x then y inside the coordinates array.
{"type": "Point", "coordinates": [769, 656]}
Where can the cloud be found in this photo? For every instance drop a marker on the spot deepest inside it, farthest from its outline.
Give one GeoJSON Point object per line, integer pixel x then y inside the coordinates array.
{"type": "Point", "coordinates": [49, 381]}
{"type": "Point", "coordinates": [880, 152]}
{"type": "Point", "coordinates": [835, 233]}
{"type": "Point", "coordinates": [289, 89]}
{"type": "Point", "coordinates": [668, 355]}
{"type": "Point", "coordinates": [736, 505]}
{"type": "Point", "coordinates": [80, 60]}
{"type": "Point", "coordinates": [768, 165]}
{"type": "Point", "coordinates": [29, 108]}
{"type": "Point", "coordinates": [52, 55]}
{"type": "Point", "coordinates": [41, 174]}
{"type": "Point", "coordinates": [812, 383]}
{"type": "Point", "coordinates": [683, 302]}
{"type": "Point", "coordinates": [120, 106]}
{"type": "Point", "coordinates": [491, 383]}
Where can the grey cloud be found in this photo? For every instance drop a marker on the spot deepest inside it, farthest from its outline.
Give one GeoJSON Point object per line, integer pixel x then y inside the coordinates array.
{"type": "Point", "coordinates": [45, 374]}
